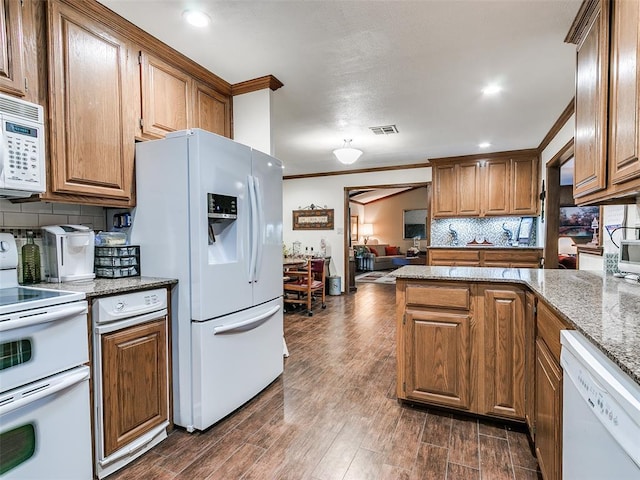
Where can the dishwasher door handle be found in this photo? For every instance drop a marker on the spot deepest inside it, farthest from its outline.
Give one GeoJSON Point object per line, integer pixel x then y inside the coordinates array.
{"type": "Point", "coordinates": [245, 325]}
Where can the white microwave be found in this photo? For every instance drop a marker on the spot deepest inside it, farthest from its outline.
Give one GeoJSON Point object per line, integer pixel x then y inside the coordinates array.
{"type": "Point", "coordinates": [22, 155]}
{"type": "Point", "coordinates": [629, 256]}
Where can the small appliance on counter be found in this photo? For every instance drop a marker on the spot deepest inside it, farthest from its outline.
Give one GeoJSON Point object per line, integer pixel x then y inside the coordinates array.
{"type": "Point", "coordinates": [68, 253]}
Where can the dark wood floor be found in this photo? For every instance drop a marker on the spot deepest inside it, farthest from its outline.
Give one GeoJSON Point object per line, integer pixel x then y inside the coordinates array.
{"type": "Point", "coordinates": [333, 415]}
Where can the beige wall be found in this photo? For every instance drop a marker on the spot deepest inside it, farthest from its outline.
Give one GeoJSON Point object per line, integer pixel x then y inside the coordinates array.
{"type": "Point", "coordinates": [386, 216]}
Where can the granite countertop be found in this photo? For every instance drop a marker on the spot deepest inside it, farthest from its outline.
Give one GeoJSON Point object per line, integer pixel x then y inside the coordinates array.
{"type": "Point", "coordinates": [604, 308]}
{"type": "Point", "coordinates": [100, 287]}
{"type": "Point", "coordinates": [479, 245]}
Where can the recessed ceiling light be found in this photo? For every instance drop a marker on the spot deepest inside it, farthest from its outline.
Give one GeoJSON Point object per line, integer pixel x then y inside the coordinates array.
{"type": "Point", "coordinates": [491, 89]}
{"type": "Point", "coordinates": [484, 145]}
{"type": "Point", "coordinates": [196, 18]}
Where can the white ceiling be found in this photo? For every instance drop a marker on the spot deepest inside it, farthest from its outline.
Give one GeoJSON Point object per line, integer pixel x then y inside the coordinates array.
{"type": "Point", "coordinates": [350, 65]}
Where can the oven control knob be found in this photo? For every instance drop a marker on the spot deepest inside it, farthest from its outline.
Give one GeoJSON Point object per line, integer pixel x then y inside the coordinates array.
{"type": "Point", "coordinates": [119, 306]}
{"type": "Point", "coordinates": [4, 246]}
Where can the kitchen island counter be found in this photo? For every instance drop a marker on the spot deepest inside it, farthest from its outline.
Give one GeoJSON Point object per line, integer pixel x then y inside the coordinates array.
{"type": "Point", "coordinates": [604, 308]}
{"type": "Point", "coordinates": [100, 287]}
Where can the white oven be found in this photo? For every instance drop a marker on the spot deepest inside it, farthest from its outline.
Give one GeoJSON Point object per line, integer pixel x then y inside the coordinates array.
{"type": "Point", "coordinates": [45, 416]}
{"type": "Point", "coordinates": [45, 428]}
{"type": "Point", "coordinates": [36, 343]}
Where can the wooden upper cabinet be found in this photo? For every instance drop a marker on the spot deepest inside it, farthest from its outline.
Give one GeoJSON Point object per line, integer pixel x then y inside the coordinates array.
{"type": "Point", "coordinates": [91, 131]}
{"type": "Point", "coordinates": [504, 185]}
{"type": "Point", "coordinates": [445, 191]}
{"type": "Point", "coordinates": [607, 142]}
{"type": "Point", "coordinates": [468, 177]}
{"type": "Point", "coordinates": [212, 110]}
{"type": "Point", "coordinates": [166, 97]}
{"type": "Point", "coordinates": [495, 200]}
{"type": "Point", "coordinates": [524, 186]}
{"type": "Point", "coordinates": [12, 76]}
{"type": "Point", "coordinates": [504, 351]}
{"type": "Point", "coordinates": [624, 146]}
{"type": "Point", "coordinates": [591, 104]}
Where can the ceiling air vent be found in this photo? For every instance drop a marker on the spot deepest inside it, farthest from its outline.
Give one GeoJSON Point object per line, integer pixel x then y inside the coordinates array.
{"type": "Point", "coordinates": [384, 130]}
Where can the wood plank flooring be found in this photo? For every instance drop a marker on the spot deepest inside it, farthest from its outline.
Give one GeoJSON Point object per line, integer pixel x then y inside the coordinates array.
{"type": "Point", "coordinates": [333, 415]}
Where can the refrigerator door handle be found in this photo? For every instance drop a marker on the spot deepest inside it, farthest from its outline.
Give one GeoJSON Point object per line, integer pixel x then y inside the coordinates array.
{"type": "Point", "coordinates": [254, 229]}
{"type": "Point", "coordinates": [245, 325]}
{"type": "Point", "coordinates": [260, 223]}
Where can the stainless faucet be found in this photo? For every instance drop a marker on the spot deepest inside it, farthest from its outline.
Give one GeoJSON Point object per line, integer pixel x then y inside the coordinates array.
{"type": "Point", "coordinates": [454, 235]}
{"type": "Point", "coordinates": [508, 233]}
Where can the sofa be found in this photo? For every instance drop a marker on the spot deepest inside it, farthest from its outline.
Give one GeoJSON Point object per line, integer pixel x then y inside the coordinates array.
{"type": "Point", "coordinates": [378, 256]}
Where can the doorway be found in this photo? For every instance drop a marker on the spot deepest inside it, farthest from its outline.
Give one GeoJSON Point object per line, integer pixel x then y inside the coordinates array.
{"type": "Point", "coordinates": [374, 193]}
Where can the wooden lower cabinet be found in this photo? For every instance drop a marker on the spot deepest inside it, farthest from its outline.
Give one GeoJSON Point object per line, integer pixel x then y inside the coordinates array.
{"type": "Point", "coordinates": [438, 357]}
{"type": "Point", "coordinates": [135, 382]}
{"type": "Point", "coordinates": [503, 351]}
{"type": "Point", "coordinates": [508, 257]}
{"type": "Point", "coordinates": [548, 438]}
{"type": "Point", "coordinates": [530, 361]}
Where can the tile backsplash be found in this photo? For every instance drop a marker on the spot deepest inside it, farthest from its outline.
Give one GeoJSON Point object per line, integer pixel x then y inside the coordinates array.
{"type": "Point", "coordinates": [38, 214]}
{"type": "Point", "coordinates": [479, 229]}
{"type": "Point", "coordinates": [17, 218]}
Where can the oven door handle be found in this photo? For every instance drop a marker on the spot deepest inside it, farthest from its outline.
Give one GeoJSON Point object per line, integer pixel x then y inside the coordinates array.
{"type": "Point", "coordinates": [251, 323]}
{"type": "Point", "coordinates": [43, 318]}
{"type": "Point", "coordinates": [45, 390]}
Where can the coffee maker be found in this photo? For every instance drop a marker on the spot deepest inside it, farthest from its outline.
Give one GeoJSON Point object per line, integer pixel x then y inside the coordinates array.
{"type": "Point", "coordinates": [68, 252]}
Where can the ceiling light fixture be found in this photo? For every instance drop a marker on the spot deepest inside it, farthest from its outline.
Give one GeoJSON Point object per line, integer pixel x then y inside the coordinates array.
{"type": "Point", "coordinates": [347, 154]}
{"type": "Point", "coordinates": [196, 18]}
{"type": "Point", "coordinates": [484, 145]}
{"type": "Point", "coordinates": [491, 89]}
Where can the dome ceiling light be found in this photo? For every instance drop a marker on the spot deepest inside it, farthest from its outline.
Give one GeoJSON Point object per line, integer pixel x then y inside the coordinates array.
{"type": "Point", "coordinates": [347, 154]}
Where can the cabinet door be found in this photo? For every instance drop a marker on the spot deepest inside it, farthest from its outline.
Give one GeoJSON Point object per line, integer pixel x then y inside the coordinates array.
{"type": "Point", "coordinates": [591, 106]}
{"type": "Point", "coordinates": [166, 97]}
{"type": "Point", "coordinates": [530, 361]}
{"type": "Point", "coordinates": [445, 191]}
{"type": "Point", "coordinates": [548, 413]}
{"type": "Point", "coordinates": [624, 145]}
{"type": "Point", "coordinates": [135, 382]}
{"type": "Point", "coordinates": [11, 53]}
{"type": "Point", "coordinates": [468, 190]}
{"type": "Point", "coordinates": [495, 200]}
{"type": "Point", "coordinates": [504, 355]}
{"type": "Point", "coordinates": [212, 110]}
{"type": "Point", "coordinates": [438, 357]}
{"type": "Point", "coordinates": [92, 133]}
{"type": "Point", "coordinates": [524, 186]}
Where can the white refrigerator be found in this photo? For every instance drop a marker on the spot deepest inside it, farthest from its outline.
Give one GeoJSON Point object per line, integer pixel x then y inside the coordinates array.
{"type": "Point", "coordinates": [209, 213]}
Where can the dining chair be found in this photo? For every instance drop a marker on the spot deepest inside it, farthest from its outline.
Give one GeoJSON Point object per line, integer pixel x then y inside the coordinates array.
{"type": "Point", "coordinates": [305, 285]}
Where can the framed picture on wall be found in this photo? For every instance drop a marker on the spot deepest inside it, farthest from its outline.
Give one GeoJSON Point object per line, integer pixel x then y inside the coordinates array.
{"type": "Point", "coordinates": [354, 229]}
{"type": "Point", "coordinates": [578, 223]}
{"type": "Point", "coordinates": [414, 224]}
{"type": "Point", "coordinates": [313, 219]}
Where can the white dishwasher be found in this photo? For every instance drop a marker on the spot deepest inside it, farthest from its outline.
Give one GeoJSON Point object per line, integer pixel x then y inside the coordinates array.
{"type": "Point", "coordinates": [601, 414]}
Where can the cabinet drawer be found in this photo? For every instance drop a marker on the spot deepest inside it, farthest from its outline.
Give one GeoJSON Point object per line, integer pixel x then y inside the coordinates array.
{"type": "Point", "coordinates": [549, 326]}
{"type": "Point", "coordinates": [457, 297]}
{"type": "Point", "coordinates": [511, 256]}
{"type": "Point", "coordinates": [455, 255]}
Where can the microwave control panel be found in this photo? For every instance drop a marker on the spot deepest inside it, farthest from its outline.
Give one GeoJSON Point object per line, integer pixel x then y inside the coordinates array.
{"type": "Point", "coordinates": [23, 155]}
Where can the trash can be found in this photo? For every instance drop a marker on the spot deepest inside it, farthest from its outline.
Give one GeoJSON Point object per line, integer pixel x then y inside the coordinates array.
{"type": "Point", "coordinates": [334, 285]}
